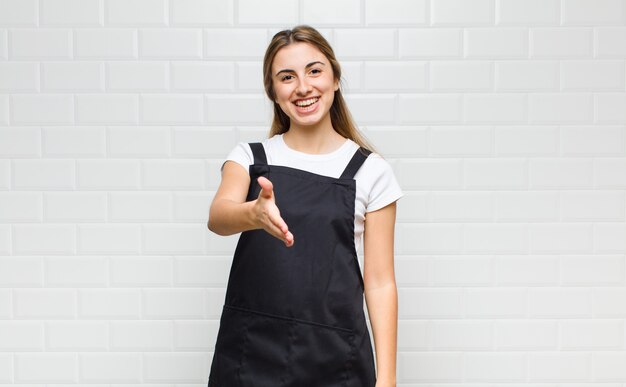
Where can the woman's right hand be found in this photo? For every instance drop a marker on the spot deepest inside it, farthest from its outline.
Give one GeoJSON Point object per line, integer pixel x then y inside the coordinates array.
{"type": "Point", "coordinates": [268, 215]}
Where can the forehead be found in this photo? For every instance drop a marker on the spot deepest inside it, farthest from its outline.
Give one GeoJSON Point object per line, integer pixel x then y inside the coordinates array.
{"type": "Point", "coordinates": [297, 55]}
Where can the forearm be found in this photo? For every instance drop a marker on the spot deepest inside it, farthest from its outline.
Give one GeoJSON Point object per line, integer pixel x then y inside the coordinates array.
{"type": "Point", "coordinates": [382, 306]}
{"type": "Point", "coordinates": [227, 217]}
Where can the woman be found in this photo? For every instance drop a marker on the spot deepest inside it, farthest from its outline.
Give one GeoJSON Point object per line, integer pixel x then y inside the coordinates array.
{"type": "Point", "coordinates": [293, 313]}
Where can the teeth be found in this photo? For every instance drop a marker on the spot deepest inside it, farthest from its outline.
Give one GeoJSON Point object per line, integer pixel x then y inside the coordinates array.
{"type": "Point", "coordinates": [306, 102]}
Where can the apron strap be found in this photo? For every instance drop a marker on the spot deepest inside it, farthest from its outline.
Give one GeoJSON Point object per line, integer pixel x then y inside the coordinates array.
{"type": "Point", "coordinates": [355, 163]}
{"type": "Point", "coordinates": [259, 153]}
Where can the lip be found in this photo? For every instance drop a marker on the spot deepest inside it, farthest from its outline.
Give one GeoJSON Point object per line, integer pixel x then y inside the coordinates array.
{"type": "Point", "coordinates": [305, 110]}
{"type": "Point", "coordinates": [304, 99]}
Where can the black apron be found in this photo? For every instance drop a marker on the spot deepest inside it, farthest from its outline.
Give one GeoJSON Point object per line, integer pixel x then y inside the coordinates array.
{"type": "Point", "coordinates": [293, 316]}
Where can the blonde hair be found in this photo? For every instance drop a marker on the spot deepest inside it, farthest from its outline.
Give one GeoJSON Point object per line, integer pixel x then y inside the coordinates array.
{"type": "Point", "coordinates": [340, 116]}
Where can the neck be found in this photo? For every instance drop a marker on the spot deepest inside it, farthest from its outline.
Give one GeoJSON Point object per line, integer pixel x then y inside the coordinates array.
{"type": "Point", "coordinates": [315, 139]}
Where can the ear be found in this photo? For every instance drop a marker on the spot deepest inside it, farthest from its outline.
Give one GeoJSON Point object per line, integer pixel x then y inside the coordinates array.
{"type": "Point", "coordinates": [336, 85]}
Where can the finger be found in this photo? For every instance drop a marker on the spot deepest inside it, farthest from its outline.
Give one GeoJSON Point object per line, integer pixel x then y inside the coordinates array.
{"type": "Point", "coordinates": [266, 187]}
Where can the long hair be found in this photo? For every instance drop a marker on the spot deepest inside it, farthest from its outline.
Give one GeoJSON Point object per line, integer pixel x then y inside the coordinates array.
{"type": "Point", "coordinates": [340, 116]}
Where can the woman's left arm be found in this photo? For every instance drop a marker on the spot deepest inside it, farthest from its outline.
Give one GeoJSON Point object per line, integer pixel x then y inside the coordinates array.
{"type": "Point", "coordinates": [381, 294]}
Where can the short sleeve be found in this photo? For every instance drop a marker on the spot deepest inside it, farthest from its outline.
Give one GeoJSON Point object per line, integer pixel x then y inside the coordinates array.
{"type": "Point", "coordinates": [241, 154]}
{"type": "Point", "coordinates": [384, 185]}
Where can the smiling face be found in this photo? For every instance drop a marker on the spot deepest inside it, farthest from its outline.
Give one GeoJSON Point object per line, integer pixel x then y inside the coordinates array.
{"type": "Point", "coordinates": [304, 84]}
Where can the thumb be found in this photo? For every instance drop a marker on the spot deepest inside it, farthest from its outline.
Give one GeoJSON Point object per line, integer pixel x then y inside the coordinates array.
{"type": "Point", "coordinates": [266, 187]}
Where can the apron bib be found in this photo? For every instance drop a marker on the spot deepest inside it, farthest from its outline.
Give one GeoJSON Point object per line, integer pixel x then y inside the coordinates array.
{"type": "Point", "coordinates": [293, 316]}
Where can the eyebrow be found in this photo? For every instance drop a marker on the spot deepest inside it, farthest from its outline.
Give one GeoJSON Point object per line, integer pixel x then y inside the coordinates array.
{"type": "Point", "coordinates": [306, 67]}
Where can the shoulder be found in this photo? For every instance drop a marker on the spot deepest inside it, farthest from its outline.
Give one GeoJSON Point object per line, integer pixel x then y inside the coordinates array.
{"type": "Point", "coordinates": [377, 178]}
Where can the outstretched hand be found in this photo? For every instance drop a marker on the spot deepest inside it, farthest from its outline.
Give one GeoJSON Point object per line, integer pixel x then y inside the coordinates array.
{"type": "Point", "coordinates": [268, 215]}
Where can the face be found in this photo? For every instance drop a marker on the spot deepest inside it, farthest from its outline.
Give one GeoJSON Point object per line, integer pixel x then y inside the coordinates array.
{"type": "Point", "coordinates": [304, 84]}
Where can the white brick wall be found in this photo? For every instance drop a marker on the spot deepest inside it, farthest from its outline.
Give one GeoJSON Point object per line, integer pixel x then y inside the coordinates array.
{"type": "Point", "coordinates": [504, 120]}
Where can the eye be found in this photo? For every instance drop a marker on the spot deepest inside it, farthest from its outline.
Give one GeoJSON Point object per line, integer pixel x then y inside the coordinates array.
{"type": "Point", "coordinates": [286, 77]}
{"type": "Point", "coordinates": [316, 71]}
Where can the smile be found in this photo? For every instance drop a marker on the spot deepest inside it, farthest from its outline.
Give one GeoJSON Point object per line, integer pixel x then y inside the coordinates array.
{"type": "Point", "coordinates": [306, 102]}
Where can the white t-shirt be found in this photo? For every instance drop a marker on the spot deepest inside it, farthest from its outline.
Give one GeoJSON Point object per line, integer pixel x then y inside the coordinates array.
{"type": "Point", "coordinates": [376, 184]}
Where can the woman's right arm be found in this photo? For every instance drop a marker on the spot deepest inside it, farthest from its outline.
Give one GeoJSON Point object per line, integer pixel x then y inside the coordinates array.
{"type": "Point", "coordinates": [230, 213]}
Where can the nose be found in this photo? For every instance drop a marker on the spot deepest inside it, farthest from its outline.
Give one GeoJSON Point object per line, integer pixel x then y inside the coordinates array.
{"type": "Point", "coordinates": [303, 87]}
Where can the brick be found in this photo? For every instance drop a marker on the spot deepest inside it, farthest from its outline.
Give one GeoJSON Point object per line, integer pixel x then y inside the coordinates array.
{"type": "Point", "coordinates": [501, 238]}
{"type": "Point", "coordinates": [44, 303]}
{"type": "Point", "coordinates": [108, 174]}
{"type": "Point", "coordinates": [107, 43]}
{"type": "Point", "coordinates": [592, 75]}
{"type": "Point", "coordinates": [503, 108]}
{"type": "Point", "coordinates": [188, 271]}
{"type": "Point", "coordinates": [19, 13]}
{"type": "Point", "coordinates": [174, 304]}
{"type": "Point", "coordinates": [460, 335]}
{"type": "Point", "coordinates": [398, 141]}
{"type": "Point", "coordinates": [4, 44]}
{"type": "Point", "coordinates": [610, 173]}
{"type": "Point", "coordinates": [332, 13]}
{"type": "Point", "coordinates": [19, 77]}
{"type": "Point", "coordinates": [254, 12]}
{"type": "Point", "coordinates": [142, 336]}
{"type": "Point", "coordinates": [560, 108]}
{"type": "Point", "coordinates": [433, 303]}
{"type": "Point", "coordinates": [460, 76]}
{"type": "Point", "coordinates": [195, 335]}
{"type": "Point", "coordinates": [453, 271]}
{"type": "Point", "coordinates": [4, 110]}
{"type": "Point", "coordinates": [608, 366]}
{"type": "Point", "coordinates": [20, 207]}
{"type": "Point", "coordinates": [495, 366]}
{"type": "Point", "coordinates": [203, 141]}
{"type": "Point", "coordinates": [21, 336]}
{"type": "Point", "coordinates": [40, 44]}
{"type": "Point", "coordinates": [249, 76]}
{"type": "Point", "coordinates": [372, 109]}
{"type": "Point", "coordinates": [460, 140]}
{"type": "Point", "coordinates": [109, 239]}
{"type": "Point", "coordinates": [77, 336]}
{"type": "Point", "coordinates": [459, 12]}
{"type": "Point", "coordinates": [136, 12]}
{"type": "Point", "coordinates": [5, 249]}
{"type": "Point", "coordinates": [527, 140]}
{"type": "Point", "coordinates": [186, 367]}
{"type": "Point", "coordinates": [76, 271]}
{"type": "Point", "coordinates": [191, 207]}
{"type": "Point", "coordinates": [526, 271]}
{"type": "Point", "coordinates": [140, 207]}
{"type": "Point", "coordinates": [429, 108]}
{"type": "Point", "coordinates": [546, 367]}
{"type": "Point", "coordinates": [430, 42]}
{"type": "Point", "coordinates": [524, 75]}
{"type": "Point", "coordinates": [396, 12]}
{"type": "Point", "coordinates": [560, 238]}
{"type": "Point", "coordinates": [591, 270]}
{"type": "Point", "coordinates": [439, 238]}
{"type": "Point", "coordinates": [51, 239]}
{"type": "Point", "coordinates": [43, 174]}
{"type": "Point", "coordinates": [137, 76]}
{"type": "Point", "coordinates": [527, 12]}
{"type": "Point", "coordinates": [172, 109]}
{"type": "Point", "coordinates": [238, 43]}
{"type": "Point", "coordinates": [609, 42]}
{"type": "Point", "coordinates": [593, 12]}
{"type": "Point", "coordinates": [428, 367]}
{"type": "Point", "coordinates": [45, 368]}
{"type": "Point", "coordinates": [609, 302]}
{"type": "Point", "coordinates": [226, 109]}
{"type": "Point", "coordinates": [74, 206]}
{"type": "Point", "coordinates": [495, 303]}
{"type": "Point", "coordinates": [109, 303]}
{"type": "Point", "coordinates": [174, 239]}
{"type": "Point", "coordinates": [221, 245]}
{"type": "Point", "coordinates": [74, 141]}
{"type": "Point", "coordinates": [526, 335]}
{"type": "Point", "coordinates": [139, 141]}
{"type": "Point", "coordinates": [110, 367]}
{"type": "Point", "coordinates": [71, 12]}
{"type": "Point", "coordinates": [173, 43]}
{"type": "Point", "coordinates": [202, 76]}
{"type": "Point", "coordinates": [42, 109]}
{"type": "Point", "coordinates": [369, 43]}
{"type": "Point", "coordinates": [433, 173]}
{"type": "Point", "coordinates": [408, 76]}
{"type": "Point", "coordinates": [592, 140]}
{"type": "Point", "coordinates": [609, 108]}
{"type": "Point", "coordinates": [202, 12]}
{"type": "Point", "coordinates": [561, 42]}
{"type": "Point", "coordinates": [496, 42]}
{"type": "Point", "coordinates": [566, 172]}
{"type": "Point", "coordinates": [173, 174]}
{"type": "Point", "coordinates": [16, 272]}
{"type": "Point", "coordinates": [108, 109]}
{"type": "Point", "coordinates": [72, 76]}
{"type": "Point", "coordinates": [20, 142]}
{"type": "Point", "coordinates": [141, 271]}
{"type": "Point", "coordinates": [526, 206]}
